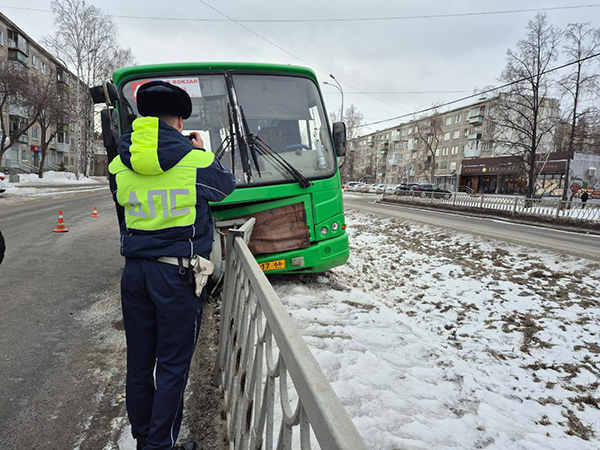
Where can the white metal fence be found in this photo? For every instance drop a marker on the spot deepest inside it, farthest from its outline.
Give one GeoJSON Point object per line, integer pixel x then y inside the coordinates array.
{"type": "Point", "coordinates": [575, 211]}
{"type": "Point", "coordinates": [264, 366]}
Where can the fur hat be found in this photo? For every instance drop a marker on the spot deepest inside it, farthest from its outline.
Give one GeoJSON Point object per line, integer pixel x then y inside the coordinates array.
{"type": "Point", "coordinates": [158, 98]}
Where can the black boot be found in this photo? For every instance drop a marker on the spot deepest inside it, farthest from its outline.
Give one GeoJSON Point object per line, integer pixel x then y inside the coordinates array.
{"type": "Point", "coordinates": [186, 446]}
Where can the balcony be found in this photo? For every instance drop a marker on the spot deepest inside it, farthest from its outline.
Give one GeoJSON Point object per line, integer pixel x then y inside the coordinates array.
{"type": "Point", "coordinates": [472, 152]}
{"type": "Point", "coordinates": [474, 136]}
{"type": "Point", "coordinates": [370, 143]}
{"type": "Point", "coordinates": [17, 56]}
{"type": "Point", "coordinates": [476, 119]}
{"type": "Point", "coordinates": [63, 148]}
{"type": "Point", "coordinates": [395, 138]}
{"type": "Point", "coordinates": [18, 111]}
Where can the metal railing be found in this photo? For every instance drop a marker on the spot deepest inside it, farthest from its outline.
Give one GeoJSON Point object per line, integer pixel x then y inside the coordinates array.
{"type": "Point", "coordinates": [257, 383]}
{"type": "Point", "coordinates": [550, 208]}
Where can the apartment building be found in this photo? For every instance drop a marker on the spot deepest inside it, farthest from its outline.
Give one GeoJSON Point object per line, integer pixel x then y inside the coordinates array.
{"type": "Point", "coordinates": [16, 47]}
{"type": "Point", "coordinates": [400, 154]}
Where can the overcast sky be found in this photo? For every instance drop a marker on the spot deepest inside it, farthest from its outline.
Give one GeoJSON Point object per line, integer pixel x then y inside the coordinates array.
{"type": "Point", "coordinates": [433, 54]}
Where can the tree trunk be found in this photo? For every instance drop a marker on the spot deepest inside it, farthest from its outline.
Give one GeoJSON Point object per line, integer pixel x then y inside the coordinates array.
{"type": "Point", "coordinates": [44, 147]}
{"type": "Point", "coordinates": [42, 162]}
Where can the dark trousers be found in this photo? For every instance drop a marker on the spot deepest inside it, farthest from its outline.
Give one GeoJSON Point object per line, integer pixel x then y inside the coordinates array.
{"type": "Point", "coordinates": [162, 319]}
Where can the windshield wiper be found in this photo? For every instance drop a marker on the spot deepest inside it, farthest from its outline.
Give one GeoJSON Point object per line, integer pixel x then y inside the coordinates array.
{"type": "Point", "coordinates": [267, 152]}
{"type": "Point", "coordinates": [250, 146]}
{"type": "Point", "coordinates": [239, 130]}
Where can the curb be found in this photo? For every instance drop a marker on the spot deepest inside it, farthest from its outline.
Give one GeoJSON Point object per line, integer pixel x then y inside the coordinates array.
{"type": "Point", "coordinates": [491, 216]}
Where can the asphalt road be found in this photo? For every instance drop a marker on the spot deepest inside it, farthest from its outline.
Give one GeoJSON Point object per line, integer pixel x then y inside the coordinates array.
{"type": "Point", "coordinates": [51, 368]}
{"type": "Point", "coordinates": [564, 242]}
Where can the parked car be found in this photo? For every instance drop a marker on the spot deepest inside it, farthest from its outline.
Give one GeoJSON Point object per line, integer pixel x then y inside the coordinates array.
{"type": "Point", "coordinates": [390, 188]}
{"type": "Point", "coordinates": [428, 187]}
{"type": "Point", "coordinates": [2, 184]}
{"type": "Point", "coordinates": [376, 188]}
{"type": "Point", "coordinates": [406, 186]}
{"type": "Point", "coordinates": [363, 188]}
{"type": "Point", "coordinates": [353, 185]}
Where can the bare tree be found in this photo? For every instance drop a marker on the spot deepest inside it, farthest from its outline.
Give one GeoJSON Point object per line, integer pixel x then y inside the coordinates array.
{"type": "Point", "coordinates": [17, 99]}
{"type": "Point", "coordinates": [353, 119]}
{"type": "Point", "coordinates": [54, 113]}
{"type": "Point", "coordinates": [525, 114]}
{"type": "Point", "coordinates": [580, 86]}
{"type": "Point", "coordinates": [86, 40]}
{"type": "Point", "coordinates": [429, 133]}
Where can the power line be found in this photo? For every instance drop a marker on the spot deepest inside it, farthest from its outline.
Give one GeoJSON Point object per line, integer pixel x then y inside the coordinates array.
{"type": "Point", "coordinates": [294, 56]}
{"type": "Point", "coordinates": [337, 19]}
{"type": "Point", "coordinates": [487, 91]}
{"type": "Point", "coordinates": [401, 92]}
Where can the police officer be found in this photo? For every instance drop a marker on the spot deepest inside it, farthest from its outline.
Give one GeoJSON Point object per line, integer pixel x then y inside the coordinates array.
{"type": "Point", "coordinates": [164, 182]}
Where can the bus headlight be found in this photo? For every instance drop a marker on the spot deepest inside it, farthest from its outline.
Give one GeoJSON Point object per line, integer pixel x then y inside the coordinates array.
{"type": "Point", "coordinates": [324, 231]}
{"type": "Point", "coordinates": [334, 226]}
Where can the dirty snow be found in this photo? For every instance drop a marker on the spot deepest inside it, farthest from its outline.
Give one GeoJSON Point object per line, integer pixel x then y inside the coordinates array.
{"type": "Point", "coordinates": [53, 178]}
{"type": "Point", "coordinates": [16, 195]}
{"type": "Point", "coordinates": [438, 340]}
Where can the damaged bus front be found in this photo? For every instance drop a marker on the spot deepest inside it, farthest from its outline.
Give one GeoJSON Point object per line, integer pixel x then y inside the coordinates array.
{"type": "Point", "coordinates": [268, 125]}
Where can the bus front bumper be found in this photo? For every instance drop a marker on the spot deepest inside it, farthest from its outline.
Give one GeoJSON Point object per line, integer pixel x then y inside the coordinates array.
{"type": "Point", "coordinates": [319, 257]}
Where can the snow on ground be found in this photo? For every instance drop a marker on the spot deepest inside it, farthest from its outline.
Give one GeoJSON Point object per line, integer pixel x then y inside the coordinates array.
{"type": "Point", "coordinates": [53, 178]}
{"type": "Point", "coordinates": [439, 340]}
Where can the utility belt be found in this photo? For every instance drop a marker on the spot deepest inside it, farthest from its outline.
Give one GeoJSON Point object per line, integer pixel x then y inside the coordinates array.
{"type": "Point", "coordinates": [200, 269]}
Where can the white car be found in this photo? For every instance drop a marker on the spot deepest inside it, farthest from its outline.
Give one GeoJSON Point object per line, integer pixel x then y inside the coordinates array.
{"type": "Point", "coordinates": [353, 185]}
{"type": "Point", "coordinates": [376, 188]}
{"type": "Point", "coordinates": [391, 188]}
{"type": "Point", "coordinates": [2, 184]}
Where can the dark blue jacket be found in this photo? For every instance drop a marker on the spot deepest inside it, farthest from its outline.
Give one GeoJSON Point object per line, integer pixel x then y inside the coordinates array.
{"type": "Point", "coordinates": [164, 186]}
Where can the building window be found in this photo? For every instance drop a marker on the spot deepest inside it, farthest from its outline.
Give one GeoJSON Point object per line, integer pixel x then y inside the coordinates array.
{"type": "Point", "coordinates": [437, 152]}
{"type": "Point", "coordinates": [448, 121]}
{"type": "Point", "coordinates": [2, 38]}
{"type": "Point", "coordinates": [453, 165]}
{"type": "Point", "coordinates": [491, 111]}
{"type": "Point", "coordinates": [410, 130]}
{"type": "Point", "coordinates": [456, 134]}
{"type": "Point", "coordinates": [34, 133]}
{"type": "Point", "coordinates": [466, 132]}
{"type": "Point", "coordinates": [455, 150]}
{"type": "Point", "coordinates": [458, 118]}
{"type": "Point", "coordinates": [44, 68]}
{"type": "Point", "coordinates": [443, 166]}
{"type": "Point", "coordinates": [34, 61]}
{"type": "Point", "coordinates": [447, 136]}
{"type": "Point", "coordinates": [445, 151]}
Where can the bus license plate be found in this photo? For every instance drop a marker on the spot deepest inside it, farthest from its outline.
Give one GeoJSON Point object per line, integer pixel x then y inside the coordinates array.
{"type": "Point", "coordinates": [272, 265]}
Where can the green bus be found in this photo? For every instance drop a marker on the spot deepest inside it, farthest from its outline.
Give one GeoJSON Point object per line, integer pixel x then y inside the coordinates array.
{"type": "Point", "coordinates": [266, 123]}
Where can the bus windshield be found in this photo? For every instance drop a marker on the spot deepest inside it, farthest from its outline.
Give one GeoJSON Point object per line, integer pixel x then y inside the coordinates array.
{"type": "Point", "coordinates": [284, 112]}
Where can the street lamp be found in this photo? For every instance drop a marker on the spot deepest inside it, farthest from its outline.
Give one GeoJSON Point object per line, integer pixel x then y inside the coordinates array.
{"type": "Point", "coordinates": [338, 86]}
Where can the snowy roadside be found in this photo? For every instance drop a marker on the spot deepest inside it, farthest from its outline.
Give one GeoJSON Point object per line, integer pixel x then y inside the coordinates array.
{"type": "Point", "coordinates": [52, 178]}
{"type": "Point", "coordinates": [445, 340]}
{"type": "Point", "coordinates": [16, 195]}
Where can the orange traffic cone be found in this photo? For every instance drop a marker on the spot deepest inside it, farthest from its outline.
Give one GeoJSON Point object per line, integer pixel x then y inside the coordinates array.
{"type": "Point", "coordinates": [60, 228]}
{"type": "Point", "coordinates": [95, 213]}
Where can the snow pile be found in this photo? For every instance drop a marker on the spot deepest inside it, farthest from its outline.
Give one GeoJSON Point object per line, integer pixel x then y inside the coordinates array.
{"type": "Point", "coordinates": [445, 341]}
{"type": "Point", "coordinates": [51, 178]}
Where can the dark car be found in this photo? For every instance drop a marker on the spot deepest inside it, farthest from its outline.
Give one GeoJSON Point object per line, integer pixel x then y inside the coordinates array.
{"type": "Point", "coordinates": [405, 186]}
{"type": "Point", "coordinates": [428, 187]}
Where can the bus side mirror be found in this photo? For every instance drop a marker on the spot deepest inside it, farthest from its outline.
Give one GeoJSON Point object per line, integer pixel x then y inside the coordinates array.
{"type": "Point", "coordinates": [110, 132]}
{"type": "Point", "coordinates": [339, 138]}
{"type": "Point", "coordinates": [106, 93]}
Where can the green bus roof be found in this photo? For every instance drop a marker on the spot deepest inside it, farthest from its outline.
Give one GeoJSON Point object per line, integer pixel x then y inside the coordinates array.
{"type": "Point", "coordinates": [154, 69]}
